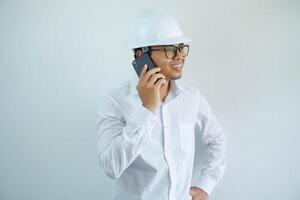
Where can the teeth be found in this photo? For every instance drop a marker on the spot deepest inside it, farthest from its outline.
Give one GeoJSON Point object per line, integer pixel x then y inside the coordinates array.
{"type": "Point", "coordinates": [176, 65]}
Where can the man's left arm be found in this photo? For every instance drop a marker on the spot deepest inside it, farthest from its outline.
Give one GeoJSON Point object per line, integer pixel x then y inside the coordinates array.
{"type": "Point", "coordinates": [208, 172]}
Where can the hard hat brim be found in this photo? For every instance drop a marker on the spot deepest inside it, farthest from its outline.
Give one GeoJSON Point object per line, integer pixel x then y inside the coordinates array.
{"type": "Point", "coordinates": [169, 41]}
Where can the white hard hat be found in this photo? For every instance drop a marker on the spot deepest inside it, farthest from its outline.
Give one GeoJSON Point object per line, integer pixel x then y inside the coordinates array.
{"type": "Point", "coordinates": [154, 27]}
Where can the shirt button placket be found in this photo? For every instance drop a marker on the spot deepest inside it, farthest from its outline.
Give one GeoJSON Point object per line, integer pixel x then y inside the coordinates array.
{"type": "Point", "coordinates": [167, 151]}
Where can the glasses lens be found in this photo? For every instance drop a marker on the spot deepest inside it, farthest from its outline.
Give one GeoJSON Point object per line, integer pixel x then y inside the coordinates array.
{"type": "Point", "coordinates": [184, 50]}
{"type": "Point", "coordinates": [170, 52]}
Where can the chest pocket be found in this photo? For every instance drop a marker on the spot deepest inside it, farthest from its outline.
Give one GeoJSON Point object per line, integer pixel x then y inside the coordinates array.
{"type": "Point", "coordinates": [187, 136]}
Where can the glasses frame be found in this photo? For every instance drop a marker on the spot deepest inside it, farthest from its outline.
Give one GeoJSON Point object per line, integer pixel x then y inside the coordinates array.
{"type": "Point", "coordinates": [175, 50]}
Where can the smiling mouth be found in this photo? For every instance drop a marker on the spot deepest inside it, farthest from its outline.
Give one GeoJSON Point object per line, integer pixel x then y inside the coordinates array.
{"type": "Point", "coordinates": [176, 65]}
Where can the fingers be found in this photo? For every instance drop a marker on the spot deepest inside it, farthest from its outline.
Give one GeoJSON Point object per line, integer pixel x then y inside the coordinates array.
{"type": "Point", "coordinates": [155, 77]}
{"type": "Point", "coordinates": [151, 77]}
{"type": "Point", "coordinates": [144, 70]}
{"type": "Point", "coordinates": [159, 83]}
{"type": "Point", "coordinates": [150, 72]}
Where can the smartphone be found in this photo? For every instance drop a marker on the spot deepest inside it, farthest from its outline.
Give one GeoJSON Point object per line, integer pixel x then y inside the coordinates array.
{"type": "Point", "coordinates": [139, 63]}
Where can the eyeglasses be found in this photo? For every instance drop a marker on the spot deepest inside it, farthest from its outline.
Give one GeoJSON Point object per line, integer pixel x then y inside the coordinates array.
{"type": "Point", "coordinates": [171, 51]}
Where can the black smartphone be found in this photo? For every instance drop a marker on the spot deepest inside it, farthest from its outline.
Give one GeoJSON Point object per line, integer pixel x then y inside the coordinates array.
{"type": "Point", "coordinates": [139, 63]}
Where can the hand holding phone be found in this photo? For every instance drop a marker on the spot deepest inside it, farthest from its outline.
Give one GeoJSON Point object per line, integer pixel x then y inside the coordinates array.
{"type": "Point", "coordinates": [149, 87]}
{"type": "Point", "coordinates": [140, 62]}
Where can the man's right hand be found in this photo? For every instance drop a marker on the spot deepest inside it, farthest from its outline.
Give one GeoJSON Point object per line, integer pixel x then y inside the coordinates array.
{"type": "Point", "coordinates": [148, 87]}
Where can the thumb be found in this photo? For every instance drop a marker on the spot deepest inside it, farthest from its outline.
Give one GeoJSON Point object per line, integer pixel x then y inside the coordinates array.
{"type": "Point", "coordinates": [191, 192]}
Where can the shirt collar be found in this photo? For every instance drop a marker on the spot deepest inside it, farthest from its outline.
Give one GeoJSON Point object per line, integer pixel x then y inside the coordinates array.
{"type": "Point", "coordinates": [177, 86]}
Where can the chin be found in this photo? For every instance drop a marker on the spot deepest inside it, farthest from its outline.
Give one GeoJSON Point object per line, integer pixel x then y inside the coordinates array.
{"type": "Point", "coordinates": [176, 77]}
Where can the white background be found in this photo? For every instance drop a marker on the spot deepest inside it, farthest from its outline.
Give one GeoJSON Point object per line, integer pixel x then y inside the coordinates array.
{"type": "Point", "coordinates": [57, 57]}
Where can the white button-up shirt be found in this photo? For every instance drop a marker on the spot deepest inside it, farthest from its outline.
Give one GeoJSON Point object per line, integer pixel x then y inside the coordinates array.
{"type": "Point", "coordinates": [160, 155]}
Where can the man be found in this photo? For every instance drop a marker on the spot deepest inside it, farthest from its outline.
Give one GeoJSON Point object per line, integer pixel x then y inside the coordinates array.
{"type": "Point", "coordinates": [147, 128]}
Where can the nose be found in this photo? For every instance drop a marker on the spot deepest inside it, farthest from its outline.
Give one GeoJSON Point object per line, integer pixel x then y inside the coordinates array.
{"type": "Point", "coordinates": [178, 55]}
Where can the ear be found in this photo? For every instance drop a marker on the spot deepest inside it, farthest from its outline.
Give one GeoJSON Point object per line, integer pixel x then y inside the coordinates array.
{"type": "Point", "coordinates": [139, 53]}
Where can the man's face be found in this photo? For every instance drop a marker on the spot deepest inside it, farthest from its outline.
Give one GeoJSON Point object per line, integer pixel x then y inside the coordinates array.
{"type": "Point", "coordinates": [171, 68]}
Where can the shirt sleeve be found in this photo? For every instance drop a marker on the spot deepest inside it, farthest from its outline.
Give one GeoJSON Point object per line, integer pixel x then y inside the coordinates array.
{"type": "Point", "coordinates": [119, 140]}
{"type": "Point", "coordinates": [210, 159]}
